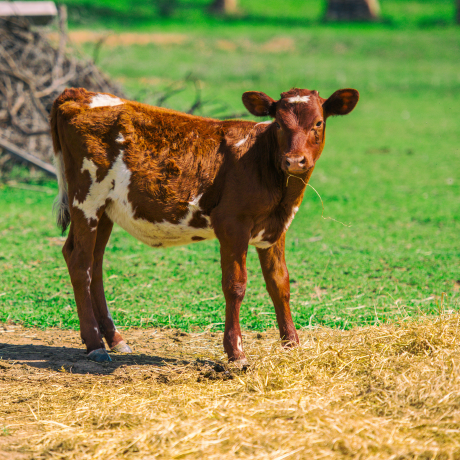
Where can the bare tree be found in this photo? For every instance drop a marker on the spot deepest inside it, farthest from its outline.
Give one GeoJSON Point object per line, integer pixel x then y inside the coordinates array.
{"type": "Point", "coordinates": [353, 10]}
{"type": "Point", "coordinates": [225, 6]}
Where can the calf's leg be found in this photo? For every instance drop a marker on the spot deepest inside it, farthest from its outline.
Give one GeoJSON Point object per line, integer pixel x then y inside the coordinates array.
{"type": "Point", "coordinates": [234, 278]}
{"type": "Point", "coordinates": [106, 326]}
{"type": "Point", "coordinates": [78, 253]}
{"type": "Point", "coordinates": [276, 276]}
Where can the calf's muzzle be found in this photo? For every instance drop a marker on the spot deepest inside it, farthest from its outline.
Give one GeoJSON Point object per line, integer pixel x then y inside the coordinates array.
{"type": "Point", "coordinates": [296, 164]}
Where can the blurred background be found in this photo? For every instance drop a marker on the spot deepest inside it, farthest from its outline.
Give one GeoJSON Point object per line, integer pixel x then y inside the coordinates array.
{"type": "Point", "coordinates": [390, 171]}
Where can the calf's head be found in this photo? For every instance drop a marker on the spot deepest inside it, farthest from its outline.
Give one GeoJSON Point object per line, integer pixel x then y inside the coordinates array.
{"type": "Point", "coordinates": [300, 120]}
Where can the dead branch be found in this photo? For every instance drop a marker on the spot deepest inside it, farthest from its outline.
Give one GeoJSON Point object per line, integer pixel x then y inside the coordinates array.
{"type": "Point", "coordinates": [33, 72]}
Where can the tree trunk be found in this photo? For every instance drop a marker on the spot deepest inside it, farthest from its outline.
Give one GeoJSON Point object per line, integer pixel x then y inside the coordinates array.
{"type": "Point", "coordinates": [224, 6]}
{"type": "Point", "coordinates": [353, 10]}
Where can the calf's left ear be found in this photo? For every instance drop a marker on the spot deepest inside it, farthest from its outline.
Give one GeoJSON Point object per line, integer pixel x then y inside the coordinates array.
{"type": "Point", "coordinates": [259, 104]}
{"type": "Point", "coordinates": [342, 102]}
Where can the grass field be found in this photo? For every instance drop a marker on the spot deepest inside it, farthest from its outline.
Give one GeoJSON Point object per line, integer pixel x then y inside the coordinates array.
{"type": "Point", "coordinates": [376, 297]}
{"type": "Point", "coordinates": [390, 171]}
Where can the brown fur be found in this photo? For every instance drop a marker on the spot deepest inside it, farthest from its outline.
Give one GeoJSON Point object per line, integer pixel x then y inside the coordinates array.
{"type": "Point", "coordinates": [239, 168]}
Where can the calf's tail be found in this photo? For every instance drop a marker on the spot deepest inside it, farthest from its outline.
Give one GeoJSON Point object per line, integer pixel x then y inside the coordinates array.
{"type": "Point", "coordinates": [61, 203]}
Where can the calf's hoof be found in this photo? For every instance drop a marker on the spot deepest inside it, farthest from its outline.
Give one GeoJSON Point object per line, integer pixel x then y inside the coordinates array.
{"type": "Point", "coordinates": [99, 356]}
{"type": "Point", "coordinates": [241, 363]}
{"type": "Point", "coordinates": [290, 343]}
{"type": "Point", "coordinates": [121, 347]}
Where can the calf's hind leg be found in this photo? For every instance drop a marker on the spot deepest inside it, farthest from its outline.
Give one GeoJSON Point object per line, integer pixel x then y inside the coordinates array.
{"type": "Point", "coordinates": [106, 325]}
{"type": "Point", "coordinates": [78, 254]}
{"type": "Point", "coordinates": [276, 277]}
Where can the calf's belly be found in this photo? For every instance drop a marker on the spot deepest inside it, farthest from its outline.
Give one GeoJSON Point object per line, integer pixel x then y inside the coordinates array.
{"type": "Point", "coordinates": [159, 234]}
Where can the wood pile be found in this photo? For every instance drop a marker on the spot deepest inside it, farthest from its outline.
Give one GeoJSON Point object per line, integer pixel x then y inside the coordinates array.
{"type": "Point", "coordinates": [33, 72]}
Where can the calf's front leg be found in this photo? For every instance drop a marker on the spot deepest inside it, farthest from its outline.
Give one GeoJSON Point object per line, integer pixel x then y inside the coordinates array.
{"type": "Point", "coordinates": [234, 278]}
{"type": "Point", "coordinates": [276, 277]}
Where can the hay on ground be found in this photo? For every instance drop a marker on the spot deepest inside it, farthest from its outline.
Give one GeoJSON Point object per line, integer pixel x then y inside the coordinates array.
{"type": "Point", "coordinates": [386, 392]}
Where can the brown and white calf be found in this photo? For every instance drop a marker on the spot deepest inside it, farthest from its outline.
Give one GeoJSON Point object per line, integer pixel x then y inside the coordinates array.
{"type": "Point", "coordinates": [169, 178]}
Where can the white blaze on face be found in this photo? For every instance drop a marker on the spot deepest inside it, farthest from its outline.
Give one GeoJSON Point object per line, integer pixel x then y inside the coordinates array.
{"type": "Point", "coordinates": [291, 218]}
{"type": "Point", "coordinates": [298, 99]}
{"type": "Point", "coordinates": [258, 241]}
{"type": "Point", "coordinates": [120, 139]}
{"type": "Point", "coordinates": [104, 100]}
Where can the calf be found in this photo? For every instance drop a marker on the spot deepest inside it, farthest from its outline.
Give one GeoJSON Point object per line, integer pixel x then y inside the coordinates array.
{"type": "Point", "coordinates": [169, 178]}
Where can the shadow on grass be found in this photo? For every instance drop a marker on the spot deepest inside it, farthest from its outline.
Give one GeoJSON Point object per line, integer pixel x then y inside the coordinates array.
{"type": "Point", "coordinates": [74, 360]}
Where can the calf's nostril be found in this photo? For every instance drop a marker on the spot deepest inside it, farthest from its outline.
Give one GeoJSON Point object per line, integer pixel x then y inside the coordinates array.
{"type": "Point", "coordinates": [302, 161]}
{"type": "Point", "coordinates": [288, 163]}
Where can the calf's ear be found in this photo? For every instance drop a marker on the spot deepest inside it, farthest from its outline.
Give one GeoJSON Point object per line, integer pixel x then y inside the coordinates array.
{"type": "Point", "coordinates": [259, 104]}
{"type": "Point", "coordinates": [342, 102]}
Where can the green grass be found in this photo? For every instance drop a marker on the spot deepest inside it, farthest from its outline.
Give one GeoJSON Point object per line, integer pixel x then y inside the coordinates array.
{"type": "Point", "coordinates": [391, 170]}
{"type": "Point", "coordinates": [119, 14]}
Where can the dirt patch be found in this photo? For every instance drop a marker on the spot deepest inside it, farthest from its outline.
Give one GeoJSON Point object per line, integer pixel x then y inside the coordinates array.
{"type": "Point", "coordinates": [124, 39]}
{"type": "Point", "coordinates": [388, 392]}
{"type": "Point", "coordinates": [62, 350]}
{"type": "Point", "coordinates": [279, 45]}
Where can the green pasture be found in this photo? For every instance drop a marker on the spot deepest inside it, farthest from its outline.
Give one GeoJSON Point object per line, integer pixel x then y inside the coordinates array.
{"type": "Point", "coordinates": [186, 14]}
{"type": "Point", "coordinates": [390, 172]}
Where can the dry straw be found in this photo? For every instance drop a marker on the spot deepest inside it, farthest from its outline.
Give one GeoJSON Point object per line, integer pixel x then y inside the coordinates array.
{"type": "Point", "coordinates": [383, 392]}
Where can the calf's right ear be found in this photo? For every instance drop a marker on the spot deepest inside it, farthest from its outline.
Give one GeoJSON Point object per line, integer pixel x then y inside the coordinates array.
{"type": "Point", "coordinates": [259, 104]}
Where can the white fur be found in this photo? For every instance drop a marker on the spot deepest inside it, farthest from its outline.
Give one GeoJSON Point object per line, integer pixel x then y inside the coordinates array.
{"type": "Point", "coordinates": [258, 241]}
{"type": "Point", "coordinates": [291, 218]}
{"type": "Point", "coordinates": [104, 100]}
{"type": "Point", "coordinates": [298, 99]}
{"type": "Point", "coordinates": [239, 344]}
{"type": "Point", "coordinates": [120, 138]}
{"type": "Point", "coordinates": [115, 186]}
{"type": "Point", "coordinates": [241, 142]}
{"type": "Point", "coordinates": [264, 123]}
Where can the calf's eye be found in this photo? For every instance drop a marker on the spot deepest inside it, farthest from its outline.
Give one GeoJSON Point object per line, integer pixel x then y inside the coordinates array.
{"type": "Point", "coordinates": [319, 124]}
{"type": "Point", "coordinates": [277, 125]}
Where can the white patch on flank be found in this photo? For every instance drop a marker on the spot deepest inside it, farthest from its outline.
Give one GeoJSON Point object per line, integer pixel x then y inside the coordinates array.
{"type": "Point", "coordinates": [120, 138]}
{"type": "Point", "coordinates": [104, 100]}
{"type": "Point", "coordinates": [258, 241]}
{"type": "Point", "coordinates": [98, 191]}
{"type": "Point", "coordinates": [239, 344]}
{"type": "Point", "coordinates": [298, 99]}
{"type": "Point", "coordinates": [115, 187]}
{"type": "Point", "coordinates": [241, 142]}
{"type": "Point", "coordinates": [291, 218]}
